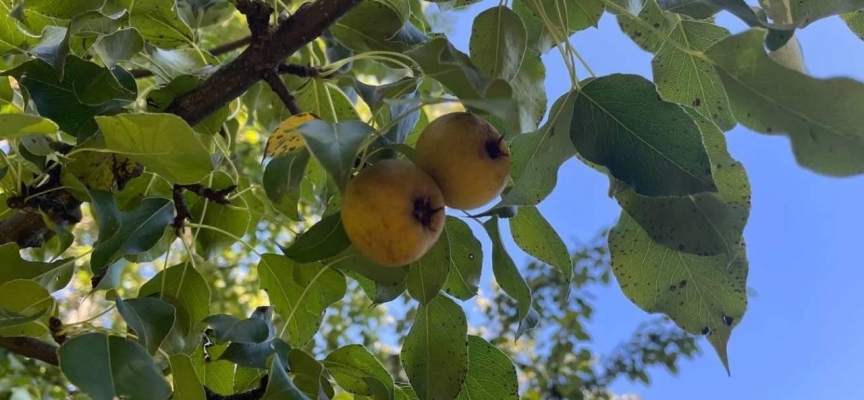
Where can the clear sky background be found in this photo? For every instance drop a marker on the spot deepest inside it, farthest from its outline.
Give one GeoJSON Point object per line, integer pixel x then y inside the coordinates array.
{"type": "Point", "coordinates": [801, 338]}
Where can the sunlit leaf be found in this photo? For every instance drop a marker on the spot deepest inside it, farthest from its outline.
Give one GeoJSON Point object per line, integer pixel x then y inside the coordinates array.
{"type": "Point", "coordinates": [286, 138]}
{"type": "Point", "coordinates": [510, 280]}
{"type": "Point", "coordinates": [685, 79]}
{"type": "Point", "coordinates": [533, 234]}
{"type": "Point", "coordinates": [187, 383]}
{"type": "Point", "coordinates": [301, 304]}
{"type": "Point", "coordinates": [826, 134]}
{"type": "Point", "coordinates": [498, 42]}
{"type": "Point", "coordinates": [158, 22]}
{"type": "Point", "coordinates": [163, 143]}
{"type": "Point", "coordinates": [52, 276]}
{"type": "Point", "coordinates": [491, 374]}
{"type": "Point", "coordinates": [701, 294]}
{"type": "Point", "coordinates": [435, 352]}
{"type": "Point", "coordinates": [26, 298]}
{"type": "Point", "coordinates": [349, 365]}
{"type": "Point", "coordinates": [466, 259]}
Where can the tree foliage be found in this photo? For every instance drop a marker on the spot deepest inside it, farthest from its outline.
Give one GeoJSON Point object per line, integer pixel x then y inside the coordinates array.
{"type": "Point", "coordinates": [172, 172]}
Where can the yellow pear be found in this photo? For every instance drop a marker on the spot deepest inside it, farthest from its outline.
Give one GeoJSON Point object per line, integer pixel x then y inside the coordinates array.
{"type": "Point", "coordinates": [393, 212]}
{"type": "Point", "coordinates": [467, 157]}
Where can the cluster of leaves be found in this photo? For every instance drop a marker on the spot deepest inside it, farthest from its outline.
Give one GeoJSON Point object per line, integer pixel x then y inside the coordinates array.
{"type": "Point", "coordinates": [84, 94]}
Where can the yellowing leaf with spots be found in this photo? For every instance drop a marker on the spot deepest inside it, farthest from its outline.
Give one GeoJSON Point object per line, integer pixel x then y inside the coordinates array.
{"type": "Point", "coordinates": [286, 138]}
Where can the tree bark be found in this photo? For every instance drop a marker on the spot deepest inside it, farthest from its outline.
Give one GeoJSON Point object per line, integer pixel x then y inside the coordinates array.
{"type": "Point", "coordinates": [29, 347]}
{"type": "Point", "coordinates": [234, 79]}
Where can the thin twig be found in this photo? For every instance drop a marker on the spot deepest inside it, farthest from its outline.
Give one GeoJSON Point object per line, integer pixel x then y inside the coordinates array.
{"type": "Point", "coordinates": [272, 78]}
{"type": "Point", "coordinates": [303, 71]}
{"type": "Point", "coordinates": [257, 17]}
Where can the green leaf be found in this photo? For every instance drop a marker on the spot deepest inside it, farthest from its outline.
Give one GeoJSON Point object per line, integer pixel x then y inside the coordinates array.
{"type": "Point", "coordinates": [228, 328]}
{"type": "Point", "coordinates": [187, 383]}
{"type": "Point", "coordinates": [357, 32]}
{"type": "Point", "coordinates": [202, 13]}
{"type": "Point", "coordinates": [140, 229]}
{"type": "Point", "coordinates": [10, 319]}
{"type": "Point", "coordinates": [427, 275]}
{"type": "Point", "coordinates": [701, 294]}
{"type": "Point", "coordinates": [387, 276]}
{"type": "Point", "coordinates": [854, 20]}
{"type": "Point", "coordinates": [325, 239]}
{"type": "Point", "coordinates": [301, 303]}
{"type": "Point", "coordinates": [805, 12]}
{"type": "Point", "coordinates": [650, 14]}
{"type": "Point", "coordinates": [536, 156]}
{"type": "Point", "coordinates": [309, 374]}
{"type": "Point", "coordinates": [529, 88]}
{"type": "Point", "coordinates": [119, 46]}
{"type": "Point", "coordinates": [217, 373]}
{"type": "Point", "coordinates": [466, 259]}
{"type": "Point", "coordinates": [163, 143]}
{"type": "Point", "coordinates": [510, 280]}
{"type": "Point", "coordinates": [442, 62]}
{"type": "Point", "coordinates": [52, 276]}
{"type": "Point", "coordinates": [699, 9]}
{"type": "Point", "coordinates": [150, 318]}
{"type": "Point", "coordinates": [533, 234]}
{"type": "Point", "coordinates": [405, 392]}
{"type": "Point", "coordinates": [184, 288]}
{"type": "Point", "coordinates": [827, 135]}
{"type": "Point", "coordinates": [435, 353]}
{"type": "Point", "coordinates": [87, 91]}
{"type": "Point", "coordinates": [491, 373]}
{"type": "Point", "coordinates": [549, 22]}
{"type": "Point", "coordinates": [326, 100]}
{"type": "Point", "coordinates": [107, 367]}
{"type": "Point", "coordinates": [705, 223]}
{"type": "Point", "coordinates": [231, 218]}
{"type": "Point", "coordinates": [13, 38]}
{"type": "Point", "coordinates": [498, 42]}
{"type": "Point", "coordinates": [26, 297]}
{"type": "Point", "coordinates": [158, 22]}
{"type": "Point", "coordinates": [53, 47]}
{"type": "Point", "coordinates": [62, 8]}
{"type": "Point", "coordinates": [335, 146]}
{"type": "Point", "coordinates": [283, 175]}
{"type": "Point", "coordinates": [280, 386]}
{"type": "Point", "coordinates": [665, 157]}
{"type": "Point", "coordinates": [349, 365]}
{"type": "Point", "coordinates": [685, 79]}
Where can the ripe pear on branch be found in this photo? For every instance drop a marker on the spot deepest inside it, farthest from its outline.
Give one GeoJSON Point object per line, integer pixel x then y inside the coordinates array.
{"type": "Point", "coordinates": [393, 212]}
{"type": "Point", "coordinates": [467, 157]}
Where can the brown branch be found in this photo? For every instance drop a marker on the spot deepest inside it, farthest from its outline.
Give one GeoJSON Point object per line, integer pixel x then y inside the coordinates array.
{"type": "Point", "coordinates": [215, 52]}
{"type": "Point", "coordinates": [303, 71]}
{"type": "Point", "coordinates": [257, 16]}
{"type": "Point", "coordinates": [232, 80]}
{"type": "Point", "coordinates": [29, 347]}
{"type": "Point", "coordinates": [272, 78]}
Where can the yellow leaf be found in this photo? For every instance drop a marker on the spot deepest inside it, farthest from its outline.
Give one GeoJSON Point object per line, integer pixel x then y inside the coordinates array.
{"type": "Point", "coordinates": [286, 138]}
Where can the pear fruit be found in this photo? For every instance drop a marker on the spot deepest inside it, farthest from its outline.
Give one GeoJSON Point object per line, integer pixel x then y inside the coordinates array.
{"type": "Point", "coordinates": [393, 212]}
{"type": "Point", "coordinates": [467, 157]}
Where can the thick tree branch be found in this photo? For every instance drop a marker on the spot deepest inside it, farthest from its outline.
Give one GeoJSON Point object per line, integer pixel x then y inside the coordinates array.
{"type": "Point", "coordinates": [29, 347]}
{"type": "Point", "coordinates": [232, 80]}
{"type": "Point", "coordinates": [272, 78]}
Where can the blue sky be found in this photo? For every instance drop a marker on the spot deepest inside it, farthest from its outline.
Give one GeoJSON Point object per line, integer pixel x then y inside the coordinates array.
{"type": "Point", "coordinates": [801, 336]}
